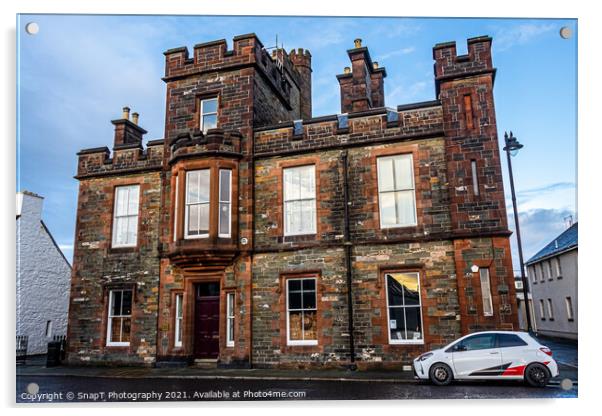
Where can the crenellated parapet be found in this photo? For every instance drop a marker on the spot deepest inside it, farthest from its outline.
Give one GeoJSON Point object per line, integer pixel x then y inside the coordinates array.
{"type": "Point", "coordinates": [450, 65]}
{"type": "Point", "coordinates": [373, 126]}
{"type": "Point", "coordinates": [125, 159]}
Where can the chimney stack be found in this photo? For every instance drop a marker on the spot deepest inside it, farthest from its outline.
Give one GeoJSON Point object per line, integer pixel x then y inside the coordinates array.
{"type": "Point", "coordinates": [362, 85]}
{"type": "Point", "coordinates": [128, 133]}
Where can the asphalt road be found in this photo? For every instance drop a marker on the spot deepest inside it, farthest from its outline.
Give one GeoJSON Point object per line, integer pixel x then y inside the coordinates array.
{"type": "Point", "coordinates": [89, 389]}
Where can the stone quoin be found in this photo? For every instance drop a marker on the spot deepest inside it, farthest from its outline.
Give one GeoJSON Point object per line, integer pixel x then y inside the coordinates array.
{"type": "Point", "coordinates": [253, 235]}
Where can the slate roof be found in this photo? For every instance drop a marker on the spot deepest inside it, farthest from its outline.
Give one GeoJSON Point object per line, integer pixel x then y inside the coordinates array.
{"type": "Point", "coordinates": [566, 240]}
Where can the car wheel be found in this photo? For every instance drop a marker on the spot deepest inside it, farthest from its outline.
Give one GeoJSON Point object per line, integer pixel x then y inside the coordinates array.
{"type": "Point", "coordinates": [440, 374]}
{"type": "Point", "coordinates": [537, 375]}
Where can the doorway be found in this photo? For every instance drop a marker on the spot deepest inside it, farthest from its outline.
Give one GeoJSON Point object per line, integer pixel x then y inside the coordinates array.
{"type": "Point", "coordinates": [206, 320]}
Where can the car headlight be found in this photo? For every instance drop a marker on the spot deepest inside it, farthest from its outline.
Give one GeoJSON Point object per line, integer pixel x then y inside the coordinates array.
{"type": "Point", "coordinates": [425, 356]}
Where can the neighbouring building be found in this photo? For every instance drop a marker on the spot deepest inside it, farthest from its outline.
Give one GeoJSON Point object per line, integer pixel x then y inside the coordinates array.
{"type": "Point", "coordinates": [255, 234]}
{"type": "Point", "coordinates": [43, 277]}
{"type": "Point", "coordinates": [522, 313]}
{"type": "Point", "coordinates": [553, 283]}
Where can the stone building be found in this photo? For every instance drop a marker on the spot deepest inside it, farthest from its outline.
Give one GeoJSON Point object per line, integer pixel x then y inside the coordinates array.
{"type": "Point", "coordinates": [43, 277]}
{"type": "Point", "coordinates": [553, 284]}
{"type": "Point", "coordinates": [255, 234]}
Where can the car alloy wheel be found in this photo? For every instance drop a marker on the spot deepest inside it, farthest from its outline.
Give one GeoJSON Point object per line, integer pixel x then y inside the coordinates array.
{"type": "Point", "coordinates": [440, 374]}
{"type": "Point", "coordinates": [537, 375]}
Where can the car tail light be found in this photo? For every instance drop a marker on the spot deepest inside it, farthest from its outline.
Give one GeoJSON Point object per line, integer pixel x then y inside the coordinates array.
{"type": "Point", "coordinates": [546, 350]}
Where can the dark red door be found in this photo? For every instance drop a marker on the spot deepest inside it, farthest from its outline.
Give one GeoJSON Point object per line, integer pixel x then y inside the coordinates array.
{"type": "Point", "coordinates": [206, 322]}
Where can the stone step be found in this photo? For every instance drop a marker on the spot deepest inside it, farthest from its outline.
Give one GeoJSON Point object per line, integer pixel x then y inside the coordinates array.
{"type": "Point", "coordinates": [205, 363]}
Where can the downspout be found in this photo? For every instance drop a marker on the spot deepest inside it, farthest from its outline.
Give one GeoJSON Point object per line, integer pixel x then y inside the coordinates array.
{"type": "Point", "coordinates": [348, 247]}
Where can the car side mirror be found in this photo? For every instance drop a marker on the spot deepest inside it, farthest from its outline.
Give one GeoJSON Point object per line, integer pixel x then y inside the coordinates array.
{"type": "Point", "coordinates": [459, 348]}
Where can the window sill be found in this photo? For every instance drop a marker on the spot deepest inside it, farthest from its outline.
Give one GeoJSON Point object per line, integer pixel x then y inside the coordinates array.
{"type": "Point", "coordinates": [229, 345]}
{"type": "Point", "coordinates": [118, 345]}
{"type": "Point", "coordinates": [397, 226]}
{"type": "Point", "coordinates": [123, 249]}
{"type": "Point", "coordinates": [551, 319]}
{"type": "Point", "coordinates": [410, 342]}
{"type": "Point", "coordinates": [195, 237]}
{"type": "Point", "coordinates": [301, 343]}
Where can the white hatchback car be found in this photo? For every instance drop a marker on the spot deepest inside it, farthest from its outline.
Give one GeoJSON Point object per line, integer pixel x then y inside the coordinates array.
{"type": "Point", "coordinates": [491, 355]}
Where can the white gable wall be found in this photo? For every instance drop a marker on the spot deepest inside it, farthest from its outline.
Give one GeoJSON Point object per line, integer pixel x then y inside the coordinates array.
{"type": "Point", "coordinates": [43, 278]}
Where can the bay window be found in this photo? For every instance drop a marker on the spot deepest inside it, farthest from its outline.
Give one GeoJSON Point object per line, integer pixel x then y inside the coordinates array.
{"type": "Point", "coordinates": [196, 217]}
{"type": "Point", "coordinates": [125, 216]}
{"type": "Point", "coordinates": [119, 318]}
{"type": "Point", "coordinates": [301, 311]}
{"type": "Point", "coordinates": [299, 195]}
{"type": "Point", "coordinates": [396, 195]}
{"type": "Point", "coordinates": [404, 310]}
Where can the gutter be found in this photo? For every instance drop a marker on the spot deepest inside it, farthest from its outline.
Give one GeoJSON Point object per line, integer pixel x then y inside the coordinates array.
{"type": "Point", "coordinates": [348, 247]}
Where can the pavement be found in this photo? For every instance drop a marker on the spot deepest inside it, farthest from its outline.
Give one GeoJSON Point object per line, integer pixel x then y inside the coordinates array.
{"type": "Point", "coordinates": [382, 376]}
{"type": "Point", "coordinates": [46, 389]}
{"type": "Point", "coordinates": [127, 384]}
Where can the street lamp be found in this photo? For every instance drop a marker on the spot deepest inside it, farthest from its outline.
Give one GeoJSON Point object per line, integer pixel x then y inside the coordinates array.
{"type": "Point", "coordinates": [512, 147]}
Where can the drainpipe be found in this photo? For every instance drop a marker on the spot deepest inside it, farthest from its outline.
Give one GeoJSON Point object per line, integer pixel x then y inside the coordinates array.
{"type": "Point", "coordinates": [348, 247]}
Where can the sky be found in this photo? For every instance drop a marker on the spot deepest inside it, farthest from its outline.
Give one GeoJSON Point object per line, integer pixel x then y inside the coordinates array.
{"type": "Point", "coordinates": [78, 71]}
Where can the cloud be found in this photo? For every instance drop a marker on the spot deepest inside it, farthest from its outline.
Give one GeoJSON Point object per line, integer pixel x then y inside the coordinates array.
{"type": "Point", "coordinates": [402, 51]}
{"type": "Point", "coordinates": [558, 195]}
{"type": "Point", "coordinates": [521, 34]}
{"type": "Point", "coordinates": [537, 228]}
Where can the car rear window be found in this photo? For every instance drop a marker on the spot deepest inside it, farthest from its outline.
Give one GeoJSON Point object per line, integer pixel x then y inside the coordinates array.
{"type": "Point", "coordinates": [509, 340]}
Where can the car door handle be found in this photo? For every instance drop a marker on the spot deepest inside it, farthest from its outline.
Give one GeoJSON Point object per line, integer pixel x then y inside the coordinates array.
{"type": "Point", "coordinates": [494, 352]}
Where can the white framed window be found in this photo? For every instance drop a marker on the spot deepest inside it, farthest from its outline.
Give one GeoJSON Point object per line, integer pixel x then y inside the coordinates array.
{"type": "Point", "coordinates": [299, 195]}
{"type": "Point", "coordinates": [225, 203]}
{"type": "Point", "coordinates": [404, 308]}
{"type": "Point", "coordinates": [301, 311]}
{"type": "Point", "coordinates": [542, 312]}
{"type": "Point", "coordinates": [550, 310]}
{"type": "Point", "coordinates": [208, 114]}
{"type": "Point", "coordinates": [549, 270]}
{"type": "Point", "coordinates": [119, 317]}
{"type": "Point", "coordinates": [486, 291]}
{"type": "Point", "coordinates": [125, 216]}
{"type": "Point", "coordinates": [396, 195]}
{"type": "Point", "coordinates": [179, 320]}
{"type": "Point", "coordinates": [542, 278]}
{"type": "Point", "coordinates": [557, 268]}
{"type": "Point", "coordinates": [533, 271]}
{"type": "Point", "coordinates": [569, 308]}
{"type": "Point", "coordinates": [230, 305]}
{"type": "Point", "coordinates": [196, 217]}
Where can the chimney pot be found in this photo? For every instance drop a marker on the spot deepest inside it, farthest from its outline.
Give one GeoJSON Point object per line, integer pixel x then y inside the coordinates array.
{"type": "Point", "coordinates": [358, 43]}
{"type": "Point", "coordinates": [347, 70]}
{"type": "Point", "coordinates": [375, 65]}
{"type": "Point", "coordinates": [135, 118]}
{"type": "Point", "coordinates": [126, 113]}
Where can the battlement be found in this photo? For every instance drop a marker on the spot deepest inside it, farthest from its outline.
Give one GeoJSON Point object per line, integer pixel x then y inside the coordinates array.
{"type": "Point", "coordinates": [126, 159]}
{"type": "Point", "coordinates": [377, 125]}
{"type": "Point", "coordinates": [214, 142]}
{"type": "Point", "coordinates": [211, 56]}
{"type": "Point", "coordinates": [448, 64]}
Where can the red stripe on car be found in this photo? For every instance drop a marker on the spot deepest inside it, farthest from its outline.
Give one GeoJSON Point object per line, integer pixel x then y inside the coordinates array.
{"type": "Point", "coordinates": [514, 371]}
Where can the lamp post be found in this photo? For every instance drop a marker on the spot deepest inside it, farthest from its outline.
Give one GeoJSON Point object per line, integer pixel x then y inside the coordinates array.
{"type": "Point", "coordinates": [512, 147]}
